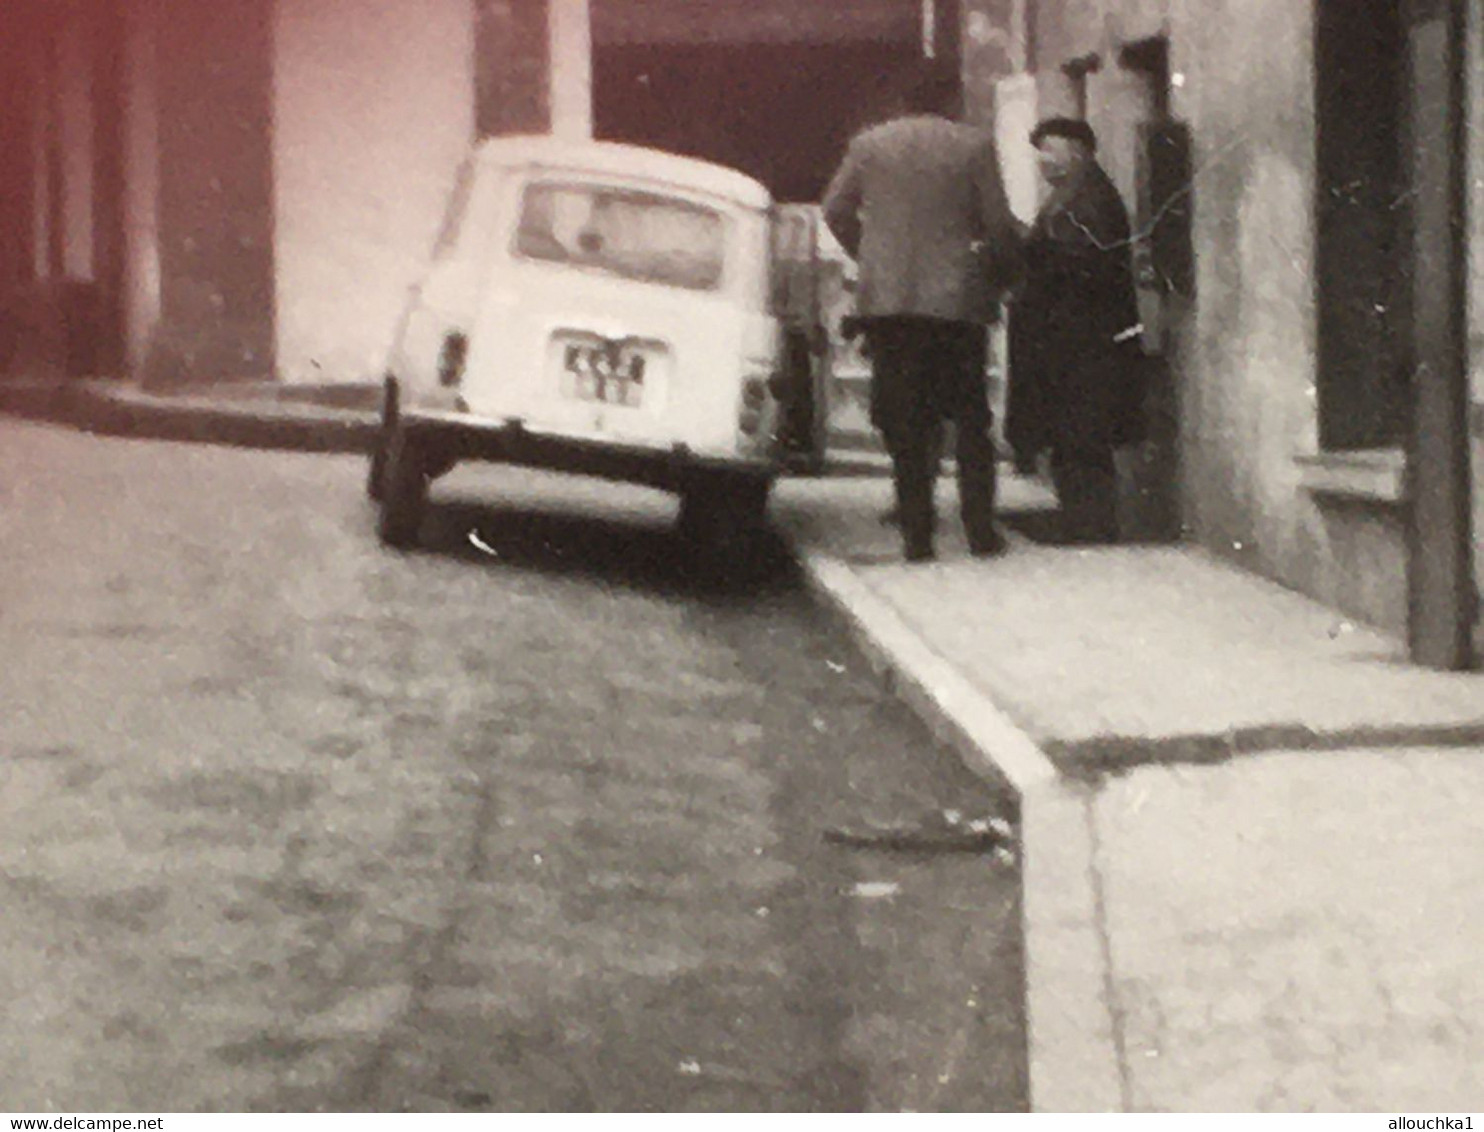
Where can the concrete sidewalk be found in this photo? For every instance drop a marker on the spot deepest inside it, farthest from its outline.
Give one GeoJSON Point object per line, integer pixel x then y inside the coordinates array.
{"type": "Point", "coordinates": [1253, 836]}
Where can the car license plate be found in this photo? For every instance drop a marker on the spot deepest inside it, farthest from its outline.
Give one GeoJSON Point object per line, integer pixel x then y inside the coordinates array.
{"type": "Point", "coordinates": [604, 374]}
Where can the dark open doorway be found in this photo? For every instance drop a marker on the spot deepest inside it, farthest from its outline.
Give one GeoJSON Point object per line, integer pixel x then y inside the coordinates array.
{"type": "Point", "coordinates": [762, 87]}
{"type": "Point", "coordinates": [780, 112]}
{"type": "Point", "coordinates": [1361, 101]}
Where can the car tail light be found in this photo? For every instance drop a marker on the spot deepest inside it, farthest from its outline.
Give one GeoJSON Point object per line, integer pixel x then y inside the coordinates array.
{"type": "Point", "coordinates": [451, 359]}
{"type": "Point", "coordinates": [754, 402]}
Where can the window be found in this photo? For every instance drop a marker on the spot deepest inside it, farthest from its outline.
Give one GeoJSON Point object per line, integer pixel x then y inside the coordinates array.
{"type": "Point", "coordinates": [633, 235]}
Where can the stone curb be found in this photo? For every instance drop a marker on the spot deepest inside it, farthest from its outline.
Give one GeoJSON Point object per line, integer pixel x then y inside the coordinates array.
{"type": "Point", "coordinates": [251, 422]}
{"type": "Point", "coordinates": [1075, 1061]}
{"type": "Point", "coordinates": [1098, 757]}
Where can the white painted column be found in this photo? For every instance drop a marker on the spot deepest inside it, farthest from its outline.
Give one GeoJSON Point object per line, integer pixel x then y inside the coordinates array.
{"type": "Point", "coordinates": [141, 189]}
{"type": "Point", "coordinates": [1015, 117]}
{"type": "Point", "coordinates": [569, 26]}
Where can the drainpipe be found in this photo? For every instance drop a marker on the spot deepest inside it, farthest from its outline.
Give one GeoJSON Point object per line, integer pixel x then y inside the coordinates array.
{"type": "Point", "coordinates": [1442, 597]}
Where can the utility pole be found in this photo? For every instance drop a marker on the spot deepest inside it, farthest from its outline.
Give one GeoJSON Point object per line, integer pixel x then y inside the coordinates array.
{"type": "Point", "coordinates": [569, 24]}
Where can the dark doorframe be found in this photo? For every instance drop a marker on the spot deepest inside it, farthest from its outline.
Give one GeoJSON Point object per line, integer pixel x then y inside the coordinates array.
{"type": "Point", "coordinates": [1442, 598]}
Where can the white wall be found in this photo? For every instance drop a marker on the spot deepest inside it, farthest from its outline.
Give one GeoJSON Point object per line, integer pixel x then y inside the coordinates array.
{"type": "Point", "coordinates": [570, 29]}
{"type": "Point", "coordinates": [373, 109]}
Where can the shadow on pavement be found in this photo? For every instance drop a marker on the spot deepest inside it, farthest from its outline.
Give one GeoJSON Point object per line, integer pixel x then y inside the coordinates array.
{"type": "Point", "coordinates": [1042, 527]}
{"type": "Point", "coordinates": [622, 552]}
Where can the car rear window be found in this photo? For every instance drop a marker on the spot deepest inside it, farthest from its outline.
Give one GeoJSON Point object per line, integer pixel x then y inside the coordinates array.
{"type": "Point", "coordinates": [634, 235]}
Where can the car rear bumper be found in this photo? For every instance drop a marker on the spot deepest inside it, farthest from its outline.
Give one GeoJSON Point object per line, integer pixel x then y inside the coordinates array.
{"type": "Point", "coordinates": [669, 468]}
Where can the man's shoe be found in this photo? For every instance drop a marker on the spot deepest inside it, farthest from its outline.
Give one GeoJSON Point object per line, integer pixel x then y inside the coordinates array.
{"type": "Point", "coordinates": [919, 554]}
{"type": "Point", "coordinates": [991, 547]}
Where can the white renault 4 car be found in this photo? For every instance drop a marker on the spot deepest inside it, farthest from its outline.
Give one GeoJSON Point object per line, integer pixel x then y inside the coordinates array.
{"type": "Point", "coordinates": [592, 308]}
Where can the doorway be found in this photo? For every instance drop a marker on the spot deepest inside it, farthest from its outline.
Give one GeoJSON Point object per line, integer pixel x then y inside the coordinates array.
{"type": "Point", "coordinates": [1146, 154]}
{"type": "Point", "coordinates": [1361, 217]}
{"type": "Point", "coordinates": [780, 112]}
{"type": "Point", "coordinates": [777, 95]}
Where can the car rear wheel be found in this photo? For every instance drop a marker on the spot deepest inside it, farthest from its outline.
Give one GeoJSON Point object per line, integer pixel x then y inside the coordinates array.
{"type": "Point", "coordinates": [724, 513]}
{"type": "Point", "coordinates": [404, 489]}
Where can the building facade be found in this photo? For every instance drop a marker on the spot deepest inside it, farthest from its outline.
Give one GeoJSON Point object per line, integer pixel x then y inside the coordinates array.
{"type": "Point", "coordinates": [214, 192]}
{"type": "Point", "coordinates": [245, 190]}
{"type": "Point", "coordinates": [1285, 163]}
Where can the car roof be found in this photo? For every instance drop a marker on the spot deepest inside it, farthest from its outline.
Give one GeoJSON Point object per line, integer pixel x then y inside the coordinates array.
{"type": "Point", "coordinates": [629, 161]}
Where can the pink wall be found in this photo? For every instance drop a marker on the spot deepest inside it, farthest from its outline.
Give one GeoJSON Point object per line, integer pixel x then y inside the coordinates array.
{"type": "Point", "coordinates": [373, 108]}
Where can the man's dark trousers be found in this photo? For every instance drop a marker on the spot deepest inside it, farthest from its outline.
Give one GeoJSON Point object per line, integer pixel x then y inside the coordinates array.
{"type": "Point", "coordinates": [926, 371]}
{"type": "Point", "coordinates": [1087, 492]}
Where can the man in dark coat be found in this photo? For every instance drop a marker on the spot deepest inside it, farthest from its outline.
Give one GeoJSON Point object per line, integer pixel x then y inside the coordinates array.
{"type": "Point", "coordinates": [919, 204]}
{"type": "Point", "coordinates": [1074, 350]}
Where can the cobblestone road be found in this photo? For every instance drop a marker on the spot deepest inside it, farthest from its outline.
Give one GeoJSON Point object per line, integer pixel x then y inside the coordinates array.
{"type": "Point", "coordinates": [527, 820]}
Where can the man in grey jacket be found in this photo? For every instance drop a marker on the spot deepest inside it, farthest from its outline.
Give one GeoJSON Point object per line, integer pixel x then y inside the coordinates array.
{"type": "Point", "coordinates": [919, 204]}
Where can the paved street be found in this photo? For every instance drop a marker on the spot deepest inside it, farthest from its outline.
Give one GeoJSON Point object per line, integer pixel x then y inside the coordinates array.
{"type": "Point", "coordinates": [528, 819]}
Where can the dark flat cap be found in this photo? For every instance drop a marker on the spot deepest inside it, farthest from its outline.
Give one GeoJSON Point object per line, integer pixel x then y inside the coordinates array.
{"type": "Point", "coordinates": [1074, 129]}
